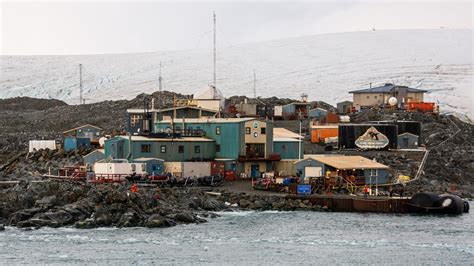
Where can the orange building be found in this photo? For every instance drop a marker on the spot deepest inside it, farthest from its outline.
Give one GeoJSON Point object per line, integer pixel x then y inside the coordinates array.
{"type": "Point", "coordinates": [320, 133]}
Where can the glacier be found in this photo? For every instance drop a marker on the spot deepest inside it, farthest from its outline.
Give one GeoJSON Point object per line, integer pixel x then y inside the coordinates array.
{"type": "Point", "coordinates": [324, 66]}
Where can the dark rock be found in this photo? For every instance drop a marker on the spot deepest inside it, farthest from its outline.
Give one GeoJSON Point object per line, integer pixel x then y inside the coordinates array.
{"type": "Point", "coordinates": [157, 220]}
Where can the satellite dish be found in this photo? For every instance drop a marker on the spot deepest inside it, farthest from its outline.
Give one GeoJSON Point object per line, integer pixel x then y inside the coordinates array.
{"type": "Point", "coordinates": [102, 141]}
{"type": "Point", "coordinates": [392, 101]}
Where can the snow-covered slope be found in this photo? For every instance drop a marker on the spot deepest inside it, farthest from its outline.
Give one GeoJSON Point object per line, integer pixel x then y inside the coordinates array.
{"type": "Point", "coordinates": [324, 66]}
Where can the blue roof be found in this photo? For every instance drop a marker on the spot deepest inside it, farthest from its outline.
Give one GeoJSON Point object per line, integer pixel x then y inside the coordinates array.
{"type": "Point", "coordinates": [388, 87]}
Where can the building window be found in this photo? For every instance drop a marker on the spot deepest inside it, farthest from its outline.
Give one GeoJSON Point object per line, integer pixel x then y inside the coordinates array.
{"type": "Point", "coordinates": [283, 147]}
{"type": "Point", "coordinates": [373, 172]}
{"type": "Point", "coordinates": [263, 130]}
{"type": "Point", "coordinates": [180, 149]}
{"type": "Point", "coordinates": [134, 120]}
{"type": "Point", "coordinates": [218, 148]}
{"type": "Point", "coordinates": [146, 148]}
{"type": "Point", "coordinates": [134, 167]}
{"type": "Point", "coordinates": [197, 149]}
{"type": "Point", "coordinates": [163, 148]}
{"type": "Point", "coordinates": [143, 167]}
{"type": "Point", "coordinates": [218, 130]}
{"type": "Point", "coordinates": [375, 97]}
{"type": "Point", "coordinates": [247, 130]}
{"type": "Point", "coordinates": [368, 96]}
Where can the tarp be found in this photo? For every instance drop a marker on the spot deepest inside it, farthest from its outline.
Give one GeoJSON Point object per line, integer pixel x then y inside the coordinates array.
{"type": "Point", "coordinates": [41, 144]}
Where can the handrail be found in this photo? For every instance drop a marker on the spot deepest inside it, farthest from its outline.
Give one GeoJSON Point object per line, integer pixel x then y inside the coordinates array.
{"type": "Point", "coordinates": [425, 157]}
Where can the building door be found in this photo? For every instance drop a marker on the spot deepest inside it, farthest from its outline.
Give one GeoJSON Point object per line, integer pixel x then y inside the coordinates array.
{"type": "Point", "coordinates": [405, 143]}
{"type": "Point", "coordinates": [120, 150]}
{"type": "Point", "coordinates": [310, 171]}
{"type": "Point", "coordinates": [255, 170]}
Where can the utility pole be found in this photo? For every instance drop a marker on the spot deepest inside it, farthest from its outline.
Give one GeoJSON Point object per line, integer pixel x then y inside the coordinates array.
{"type": "Point", "coordinates": [160, 80]}
{"type": "Point", "coordinates": [254, 84]}
{"type": "Point", "coordinates": [214, 76]}
{"type": "Point", "coordinates": [81, 99]}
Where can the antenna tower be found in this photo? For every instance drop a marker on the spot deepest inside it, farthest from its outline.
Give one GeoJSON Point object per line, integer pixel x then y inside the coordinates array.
{"type": "Point", "coordinates": [81, 99]}
{"type": "Point", "coordinates": [160, 80]}
{"type": "Point", "coordinates": [214, 75]}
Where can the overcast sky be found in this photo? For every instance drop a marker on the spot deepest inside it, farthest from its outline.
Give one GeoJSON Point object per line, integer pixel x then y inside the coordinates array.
{"type": "Point", "coordinates": [124, 27]}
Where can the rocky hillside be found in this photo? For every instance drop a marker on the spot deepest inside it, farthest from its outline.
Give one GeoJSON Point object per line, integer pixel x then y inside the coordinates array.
{"type": "Point", "coordinates": [23, 119]}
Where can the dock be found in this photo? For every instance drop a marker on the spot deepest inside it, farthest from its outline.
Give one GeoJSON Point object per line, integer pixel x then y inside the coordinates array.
{"type": "Point", "coordinates": [346, 203]}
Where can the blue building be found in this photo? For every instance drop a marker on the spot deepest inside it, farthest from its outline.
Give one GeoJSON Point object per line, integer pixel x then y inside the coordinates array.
{"type": "Point", "coordinates": [83, 136]}
{"type": "Point", "coordinates": [288, 148]}
{"type": "Point", "coordinates": [167, 149]}
{"type": "Point", "coordinates": [154, 166]}
{"type": "Point", "coordinates": [357, 169]}
{"type": "Point", "coordinates": [318, 113]}
{"type": "Point", "coordinates": [296, 109]}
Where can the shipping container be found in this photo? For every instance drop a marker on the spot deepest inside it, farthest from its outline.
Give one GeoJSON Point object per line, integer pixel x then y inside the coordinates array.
{"type": "Point", "coordinates": [196, 169]}
{"type": "Point", "coordinates": [332, 118]}
{"type": "Point", "coordinates": [349, 133]}
{"type": "Point", "coordinates": [320, 133]}
{"type": "Point", "coordinates": [425, 107]}
{"type": "Point", "coordinates": [118, 170]}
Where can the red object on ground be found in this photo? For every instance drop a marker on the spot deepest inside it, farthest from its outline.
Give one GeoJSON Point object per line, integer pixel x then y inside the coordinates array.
{"type": "Point", "coordinates": [229, 175]}
{"type": "Point", "coordinates": [134, 188]}
{"type": "Point", "coordinates": [217, 168]}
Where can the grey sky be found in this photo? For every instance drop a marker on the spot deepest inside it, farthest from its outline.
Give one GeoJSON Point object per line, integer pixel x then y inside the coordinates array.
{"type": "Point", "coordinates": [124, 27]}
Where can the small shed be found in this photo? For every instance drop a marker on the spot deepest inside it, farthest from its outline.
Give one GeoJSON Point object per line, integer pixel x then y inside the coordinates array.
{"type": "Point", "coordinates": [294, 110]}
{"type": "Point", "coordinates": [317, 113]}
{"type": "Point", "coordinates": [344, 107]}
{"type": "Point", "coordinates": [83, 136]}
{"type": "Point", "coordinates": [407, 141]}
{"type": "Point", "coordinates": [153, 165]}
{"type": "Point", "coordinates": [86, 131]}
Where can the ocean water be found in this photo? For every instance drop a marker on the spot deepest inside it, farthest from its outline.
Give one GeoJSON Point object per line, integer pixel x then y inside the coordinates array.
{"type": "Point", "coordinates": [255, 238]}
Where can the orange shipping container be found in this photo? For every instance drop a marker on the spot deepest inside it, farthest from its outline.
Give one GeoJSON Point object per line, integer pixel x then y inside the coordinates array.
{"type": "Point", "coordinates": [319, 133]}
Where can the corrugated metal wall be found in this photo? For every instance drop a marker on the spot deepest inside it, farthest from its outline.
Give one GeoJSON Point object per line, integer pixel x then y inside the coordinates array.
{"type": "Point", "coordinates": [287, 149]}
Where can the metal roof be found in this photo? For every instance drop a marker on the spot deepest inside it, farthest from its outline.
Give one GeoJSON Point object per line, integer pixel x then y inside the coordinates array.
{"type": "Point", "coordinates": [148, 159]}
{"type": "Point", "coordinates": [87, 125]}
{"type": "Point", "coordinates": [209, 120]}
{"type": "Point", "coordinates": [280, 132]}
{"type": "Point", "coordinates": [141, 111]}
{"type": "Point", "coordinates": [285, 140]}
{"type": "Point", "coordinates": [346, 162]}
{"type": "Point", "coordinates": [186, 139]}
{"type": "Point", "coordinates": [387, 87]}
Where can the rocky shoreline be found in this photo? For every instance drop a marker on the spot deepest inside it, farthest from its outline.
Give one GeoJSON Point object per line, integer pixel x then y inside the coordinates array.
{"type": "Point", "coordinates": [58, 203]}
